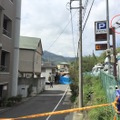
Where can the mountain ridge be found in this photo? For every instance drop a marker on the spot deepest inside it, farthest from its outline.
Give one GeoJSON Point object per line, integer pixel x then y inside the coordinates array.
{"type": "Point", "coordinates": [51, 57]}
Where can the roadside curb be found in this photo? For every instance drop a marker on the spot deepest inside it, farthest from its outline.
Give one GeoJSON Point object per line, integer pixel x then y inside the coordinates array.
{"type": "Point", "coordinates": [4, 109]}
{"type": "Point", "coordinates": [77, 116]}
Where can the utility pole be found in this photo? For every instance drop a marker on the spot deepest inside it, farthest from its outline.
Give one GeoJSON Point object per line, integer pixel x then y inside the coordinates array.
{"type": "Point", "coordinates": [79, 52]}
{"type": "Point", "coordinates": [80, 57]}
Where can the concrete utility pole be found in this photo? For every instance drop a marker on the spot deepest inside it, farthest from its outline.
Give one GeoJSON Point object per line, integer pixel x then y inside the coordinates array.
{"type": "Point", "coordinates": [80, 57]}
{"type": "Point", "coordinates": [16, 48]}
{"type": "Point", "coordinates": [79, 51]}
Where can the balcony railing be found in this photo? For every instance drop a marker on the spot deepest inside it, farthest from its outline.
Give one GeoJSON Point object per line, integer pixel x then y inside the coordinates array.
{"type": "Point", "coordinates": [6, 32]}
{"type": "Point", "coordinates": [3, 68]}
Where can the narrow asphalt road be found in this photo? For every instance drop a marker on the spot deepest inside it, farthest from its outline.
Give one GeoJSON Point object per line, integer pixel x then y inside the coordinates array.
{"type": "Point", "coordinates": [52, 99]}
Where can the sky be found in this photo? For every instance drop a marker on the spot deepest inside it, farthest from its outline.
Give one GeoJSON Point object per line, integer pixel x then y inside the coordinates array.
{"type": "Point", "coordinates": [58, 27]}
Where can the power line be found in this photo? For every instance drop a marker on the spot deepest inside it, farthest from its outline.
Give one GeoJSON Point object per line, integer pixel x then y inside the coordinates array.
{"type": "Point", "coordinates": [85, 8]}
{"type": "Point", "coordinates": [88, 15]}
{"type": "Point", "coordinates": [73, 40]}
{"type": "Point", "coordinates": [60, 33]}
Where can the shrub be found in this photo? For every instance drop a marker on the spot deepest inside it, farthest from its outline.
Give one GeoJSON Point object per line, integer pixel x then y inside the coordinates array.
{"type": "Point", "coordinates": [8, 102]}
{"type": "Point", "coordinates": [19, 98]}
{"type": "Point", "coordinates": [99, 97]}
{"type": "Point", "coordinates": [74, 90]}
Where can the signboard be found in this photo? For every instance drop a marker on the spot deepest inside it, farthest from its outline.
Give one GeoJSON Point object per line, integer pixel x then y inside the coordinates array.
{"type": "Point", "coordinates": [100, 27]}
{"type": "Point", "coordinates": [101, 37]}
{"type": "Point", "coordinates": [100, 46]}
{"type": "Point", "coordinates": [101, 31]}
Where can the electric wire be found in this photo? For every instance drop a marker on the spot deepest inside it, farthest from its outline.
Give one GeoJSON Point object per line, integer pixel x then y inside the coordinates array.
{"type": "Point", "coordinates": [60, 33]}
{"type": "Point", "coordinates": [85, 8]}
{"type": "Point", "coordinates": [88, 15]}
{"type": "Point", "coordinates": [73, 39]}
{"type": "Point", "coordinates": [58, 36]}
{"type": "Point", "coordinates": [86, 3]}
{"type": "Point", "coordinates": [84, 25]}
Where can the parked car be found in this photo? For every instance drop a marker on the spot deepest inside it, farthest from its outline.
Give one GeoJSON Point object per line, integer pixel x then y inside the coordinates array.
{"type": "Point", "coordinates": [96, 70]}
{"type": "Point", "coordinates": [47, 81]}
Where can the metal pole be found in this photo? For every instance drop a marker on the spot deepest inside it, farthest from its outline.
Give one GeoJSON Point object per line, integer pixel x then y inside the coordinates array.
{"type": "Point", "coordinates": [16, 48]}
{"type": "Point", "coordinates": [108, 33]}
{"type": "Point", "coordinates": [114, 53]}
{"type": "Point", "coordinates": [107, 18]}
{"type": "Point", "coordinates": [80, 57]}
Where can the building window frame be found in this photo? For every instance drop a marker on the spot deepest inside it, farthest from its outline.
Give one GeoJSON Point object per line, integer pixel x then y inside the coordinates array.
{"type": "Point", "coordinates": [5, 61]}
{"type": "Point", "coordinates": [7, 26]}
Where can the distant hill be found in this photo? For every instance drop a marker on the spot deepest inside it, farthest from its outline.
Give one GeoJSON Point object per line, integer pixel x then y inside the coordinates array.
{"type": "Point", "coordinates": [48, 56]}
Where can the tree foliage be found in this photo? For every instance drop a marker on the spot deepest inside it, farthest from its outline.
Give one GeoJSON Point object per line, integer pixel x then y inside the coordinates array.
{"type": "Point", "coordinates": [88, 63]}
{"type": "Point", "coordinates": [74, 84]}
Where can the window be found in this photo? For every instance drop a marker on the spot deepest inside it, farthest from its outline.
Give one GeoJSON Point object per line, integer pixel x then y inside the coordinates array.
{"type": "Point", "coordinates": [5, 58]}
{"type": "Point", "coordinates": [7, 26]}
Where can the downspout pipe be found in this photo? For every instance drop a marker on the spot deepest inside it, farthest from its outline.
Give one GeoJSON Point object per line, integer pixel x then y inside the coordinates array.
{"type": "Point", "coordinates": [16, 38]}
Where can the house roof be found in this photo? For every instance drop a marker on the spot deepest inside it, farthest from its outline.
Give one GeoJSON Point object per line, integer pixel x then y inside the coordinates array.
{"type": "Point", "coordinates": [48, 65]}
{"type": "Point", "coordinates": [29, 42]}
{"type": "Point", "coordinates": [64, 63]}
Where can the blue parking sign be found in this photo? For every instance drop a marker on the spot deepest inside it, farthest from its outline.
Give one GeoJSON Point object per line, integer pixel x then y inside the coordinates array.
{"type": "Point", "coordinates": [101, 25]}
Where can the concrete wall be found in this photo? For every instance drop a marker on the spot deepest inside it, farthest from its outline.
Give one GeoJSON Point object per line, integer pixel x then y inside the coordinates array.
{"type": "Point", "coordinates": [46, 73]}
{"type": "Point", "coordinates": [38, 85]}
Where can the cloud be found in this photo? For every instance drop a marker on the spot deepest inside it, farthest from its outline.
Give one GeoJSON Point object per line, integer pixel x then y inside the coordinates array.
{"type": "Point", "coordinates": [50, 21]}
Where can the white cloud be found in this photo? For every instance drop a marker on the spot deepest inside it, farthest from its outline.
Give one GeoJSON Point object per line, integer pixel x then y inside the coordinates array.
{"type": "Point", "coordinates": [47, 19]}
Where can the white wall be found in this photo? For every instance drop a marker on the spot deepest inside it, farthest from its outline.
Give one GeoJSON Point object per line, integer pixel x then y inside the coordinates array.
{"type": "Point", "coordinates": [46, 73]}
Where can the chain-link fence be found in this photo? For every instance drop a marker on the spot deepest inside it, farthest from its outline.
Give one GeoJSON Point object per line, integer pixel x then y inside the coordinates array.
{"type": "Point", "coordinates": [109, 83]}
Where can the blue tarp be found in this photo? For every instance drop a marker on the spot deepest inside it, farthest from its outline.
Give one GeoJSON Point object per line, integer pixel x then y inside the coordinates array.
{"type": "Point", "coordinates": [64, 80]}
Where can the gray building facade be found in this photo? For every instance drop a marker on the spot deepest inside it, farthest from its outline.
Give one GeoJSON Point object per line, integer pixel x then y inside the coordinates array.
{"type": "Point", "coordinates": [7, 39]}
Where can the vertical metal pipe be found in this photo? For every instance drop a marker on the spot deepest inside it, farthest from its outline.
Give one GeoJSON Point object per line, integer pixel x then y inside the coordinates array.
{"type": "Point", "coordinates": [108, 33]}
{"type": "Point", "coordinates": [16, 37]}
{"type": "Point", "coordinates": [107, 19]}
